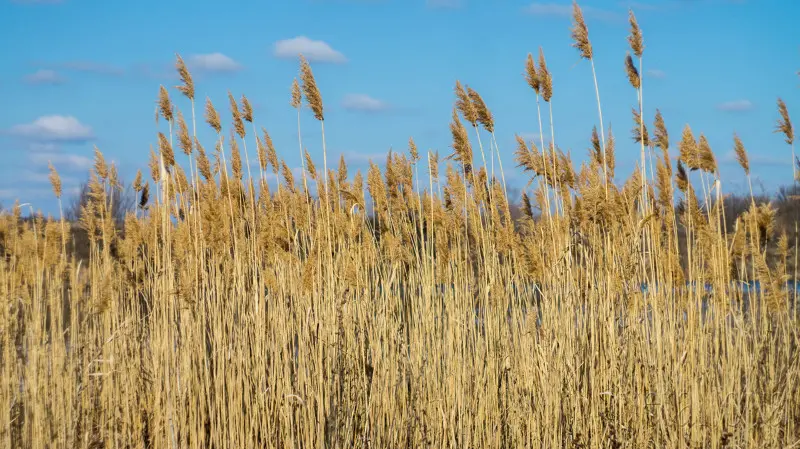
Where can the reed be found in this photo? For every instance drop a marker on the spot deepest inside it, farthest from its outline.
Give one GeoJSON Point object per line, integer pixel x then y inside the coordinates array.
{"type": "Point", "coordinates": [222, 314]}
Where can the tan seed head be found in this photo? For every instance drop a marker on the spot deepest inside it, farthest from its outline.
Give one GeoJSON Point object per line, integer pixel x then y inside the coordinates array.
{"type": "Point", "coordinates": [635, 38]}
{"type": "Point", "coordinates": [313, 97]}
{"type": "Point", "coordinates": [55, 180]}
{"type": "Point", "coordinates": [580, 32]}
{"type": "Point", "coordinates": [187, 88]}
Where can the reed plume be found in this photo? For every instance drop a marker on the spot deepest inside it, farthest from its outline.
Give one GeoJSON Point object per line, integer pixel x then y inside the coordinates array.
{"type": "Point", "coordinates": [784, 126]}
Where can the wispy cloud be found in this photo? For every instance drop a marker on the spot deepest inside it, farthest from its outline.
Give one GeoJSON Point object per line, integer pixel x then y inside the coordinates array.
{"type": "Point", "coordinates": [444, 4]}
{"type": "Point", "coordinates": [154, 71]}
{"type": "Point", "coordinates": [213, 62]}
{"type": "Point", "coordinates": [363, 103]}
{"type": "Point", "coordinates": [756, 159]}
{"type": "Point", "coordinates": [91, 67]}
{"type": "Point", "coordinates": [736, 106]}
{"type": "Point", "coordinates": [84, 66]}
{"type": "Point", "coordinates": [43, 176]}
{"type": "Point", "coordinates": [44, 76]}
{"type": "Point", "coordinates": [564, 10]}
{"type": "Point", "coordinates": [656, 73]}
{"type": "Point", "coordinates": [313, 50]}
{"type": "Point", "coordinates": [54, 128]}
{"type": "Point", "coordinates": [24, 194]}
{"type": "Point", "coordinates": [42, 147]}
{"type": "Point", "coordinates": [62, 161]}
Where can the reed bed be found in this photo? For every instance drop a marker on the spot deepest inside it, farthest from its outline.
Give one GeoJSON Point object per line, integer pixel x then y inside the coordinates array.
{"type": "Point", "coordinates": [404, 307]}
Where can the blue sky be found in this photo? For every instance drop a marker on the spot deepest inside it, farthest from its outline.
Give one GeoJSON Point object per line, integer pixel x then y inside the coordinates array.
{"type": "Point", "coordinates": [82, 73]}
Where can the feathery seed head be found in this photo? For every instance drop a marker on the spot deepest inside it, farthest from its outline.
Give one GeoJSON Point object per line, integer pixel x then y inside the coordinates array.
{"type": "Point", "coordinates": [180, 179]}
{"type": "Point", "coordinates": [485, 117]}
{"type": "Point", "coordinates": [164, 104]}
{"type": "Point", "coordinates": [545, 78]}
{"type": "Point", "coordinates": [661, 135]}
{"type": "Point", "coordinates": [635, 38]}
{"type": "Point", "coordinates": [433, 164]}
{"type": "Point", "coordinates": [137, 181]}
{"type": "Point", "coordinates": [530, 74]}
{"type": "Point", "coordinates": [784, 124]}
{"type": "Point", "coordinates": [152, 163]}
{"type": "Point", "coordinates": [527, 209]}
{"type": "Point", "coordinates": [297, 97]}
{"type": "Point", "coordinates": [55, 180]}
{"type": "Point", "coordinates": [187, 88]}
{"type": "Point", "coordinates": [375, 185]}
{"type": "Point", "coordinates": [664, 181]}
{"type": "Point", "coordinates": [288, 176]}
{"type": "Point", "coordinates": [682, 178]}
{"type": "Point", "coordinates": [639, 130]}
{"type": "Point", "coordinates": [236, 158]}
{"type": "Point", "coordinates": [633, 73]}
{"type": "Point", "coordinates": [465, 106]}
{"type": "Point", "coordinates": [184, 141]}
{"type": "Point", "coordinates": [741, 154]}
{"type": "Point", "coordinates": [412, 150]}
{"type": "Point", "coordinates": [611, 161]}
{"type": "Point", "coordinates": [212, 117]}
{"type": "Point", "coordinates": [310, 89]}
{"type": "Point", "coordinates": [166, 150]}
{"type": "Point", "coordinates": [261, 151]}
{"type": "Point", "coordinates": [100, 166]}
{"type": "Point", "coordinates": [597, 150]}
{"type": "Point", "coordinates": [272, 155]}
{"type": "Point", "coordinates": [247, 110]}
{"type": "Point", "coordinates": [708, 162]}
{"type": "Point", "coordinates": [580, 32]}
{"type": "Point", "coordinates": [203, 164]}
{"type": "Point", "coordinates": [310, 167]}
{"type": "Point", "coordinates": [688, 149]}
{"type": "Point", "coordinates": [113, 177]}
{"type": "Point", "coordinates": [525, 158]}
{"type": "Point", "coordinates": [145, 196]}
{"type": "Point", "coordinates": [238, 124]}
{"type": "Point", "coordinates": [342, 174]}
{"type": "Point", "coordinates": [461, 144]}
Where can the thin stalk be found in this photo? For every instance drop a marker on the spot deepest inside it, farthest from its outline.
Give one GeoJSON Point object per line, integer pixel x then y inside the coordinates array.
{"type": "Point", "coordinates": [602, 132]}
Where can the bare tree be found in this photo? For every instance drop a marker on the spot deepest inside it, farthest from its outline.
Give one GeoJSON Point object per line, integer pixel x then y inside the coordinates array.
{"type": "Point", "coordinates": [123, 200]}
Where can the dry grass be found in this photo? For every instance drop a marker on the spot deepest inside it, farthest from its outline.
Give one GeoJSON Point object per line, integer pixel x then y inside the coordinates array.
{"type": "Point", "coordinates": [229, 316]}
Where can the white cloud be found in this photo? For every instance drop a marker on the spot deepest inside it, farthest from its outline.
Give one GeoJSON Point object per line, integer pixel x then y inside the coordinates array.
{"type": "Point", "coordinates": [44, 76]}
{"type": "Point", "coordinates": [90, 67]}
{"type": "Point", "coordinates": [363, 103]}
{"type": "Point", "coordinates": [565, 10]}
{"type": "Point", "coordinates": [61, 161]}
{"type": "Point", "coordinates": [314, 51]}
{"type": "Point", "coordinates": [156, 72]}
{"type": "Point", "coordinates": [213, 62]}
{"type": "Point", "coordinates": [42, 147]}
{"type": "Point", "coordinates": [43, 177]}
{"type": "Point", "coordinates": [656, 73]}
{"type": "Point", "coordinates": [736, 106]}
{"type": "Point", "coordinates": [758, 159]}
{"type": "Point", "coordinates": [54, 128]}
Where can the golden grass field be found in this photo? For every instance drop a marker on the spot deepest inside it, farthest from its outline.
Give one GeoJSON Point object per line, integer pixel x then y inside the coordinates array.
{"type": "Point", "coordinates": [221, 314]}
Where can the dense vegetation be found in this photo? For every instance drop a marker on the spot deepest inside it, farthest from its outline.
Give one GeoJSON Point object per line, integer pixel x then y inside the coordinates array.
{"type": "Point", "coordinates": [407, 307]}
